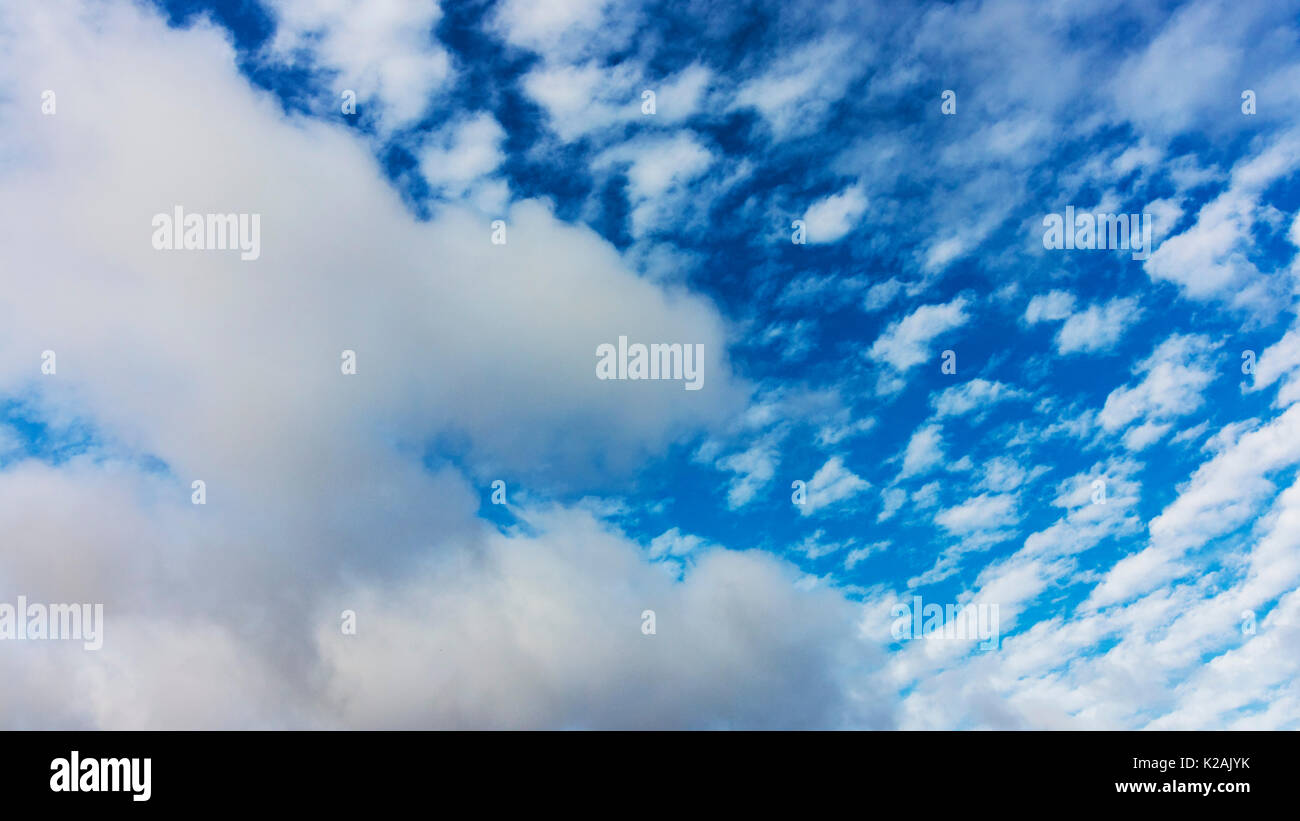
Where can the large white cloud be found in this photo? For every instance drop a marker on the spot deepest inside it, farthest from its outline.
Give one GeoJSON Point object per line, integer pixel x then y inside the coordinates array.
{"type": "Point", "coordinates": [196, 365]}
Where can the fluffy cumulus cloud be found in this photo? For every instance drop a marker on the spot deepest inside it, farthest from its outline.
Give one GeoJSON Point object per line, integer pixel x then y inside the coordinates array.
{"type": "Point", "coordinates": [924, 450]}
{"type": "Point", "coordinates": [1097, 328]}
{"type": "Point", "coordinates": [659, 174]}
{"type": "Point", "coordinates": [1173, 378]}
{"type": "Point", "coordinates": [983, 512]}
{"type": "Point", "coordinates": [462, 154]}
{"type": "Point", "coordinates": [907, 342]}
{"type": "Point", "coordinates": [423, 505]}
{"type": "Point", "coordinates": [533, 660]}
{"type": "Point", "coordinates": [385, 52]}
{"type": "Point", "coordinates": [1048, 307]}
{"type": "Point", "coordinates": [832, 483]}
{"type": "Point", "coordinates": [831, 218]}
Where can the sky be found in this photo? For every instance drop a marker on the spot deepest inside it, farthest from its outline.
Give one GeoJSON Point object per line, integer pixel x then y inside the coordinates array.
{"type": "Point", "coordinates": [905, 391]}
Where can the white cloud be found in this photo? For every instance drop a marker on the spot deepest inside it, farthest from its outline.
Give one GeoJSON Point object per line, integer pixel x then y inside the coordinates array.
{"type": "Point", "coordinates": [675, 543]}
{"type": "Point", "coordinates": [1173, 378]}
{"type": "Point", "coordinates": [831, 218]}
{"type": "Point", "coordinates": [462, 153]}
{"type": "Point", "coordinates": [881, 294]}
{"type": "Point", "coordinates": [1187, 66]}
{"type": "Point", "coordinates": [1211, 258]}
{"type": "Point", "coordinates": [1098, 327]}
{"type": "Point", "coordinates": [926, 496]}
{"type": "Point", "coordinates": [384, 50]}
{"type": "Point", "coordinates": [833, 433]}
{"type": "Point", "coordinates": [754, 467]}
{"type": "Point", "coordinates": [971, 395]}
{"type": "Point", "coordinates": [859, 554]}
{"type": "Point", "coordinates": [1002, 474]}
{"type": "Point", "coordinates": [582, 99]}
{"type": "Point", "coordinates": [797, 91]}
{"type": "Point", "coordinates": [655, 166]}
{"type": "Point", "coordinates": [906, 342]}
{"type": "Point", "coordinates": [924, 450]}
{"type": "Point", "coordinates": [796, 338]}
{"type": "Point", "coordinates": [556, 642]}
{"type": "Point", "coordinates": [832, 483]}
{"type": "Point", "coordinates": [537, 25]}
{"type": "Point", "coordinates": [1281, 360]}
{"type": "Point", "coordinates": [588, 98]}
{"type": "Point", "coordinates": [816, 546]}
{"type": "Point", "coordinates": [683, 94]}
{"type": "Point", "coordinates": [822, 290]}
{"type": "Point", "coordinates": [1222, 494]}
{"type": "Point", "coordinates": [659, 170]}
{"type": "Point", "coordinates": [1050, 307]}
{"type": "Point", "coordinates": [982, 513]}
{"type": "Point", "coordinates": [894, 499]}
{"type": "Point", "coordinates": [1142, 436]}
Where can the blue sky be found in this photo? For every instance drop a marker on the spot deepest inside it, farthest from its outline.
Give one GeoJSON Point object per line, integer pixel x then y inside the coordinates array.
{"type": "Point", "coordinates": [1172, 605]}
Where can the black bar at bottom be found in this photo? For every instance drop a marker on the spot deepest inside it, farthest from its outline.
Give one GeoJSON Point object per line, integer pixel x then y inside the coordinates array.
{"type": "Point", "coordinates": [339, 770]}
